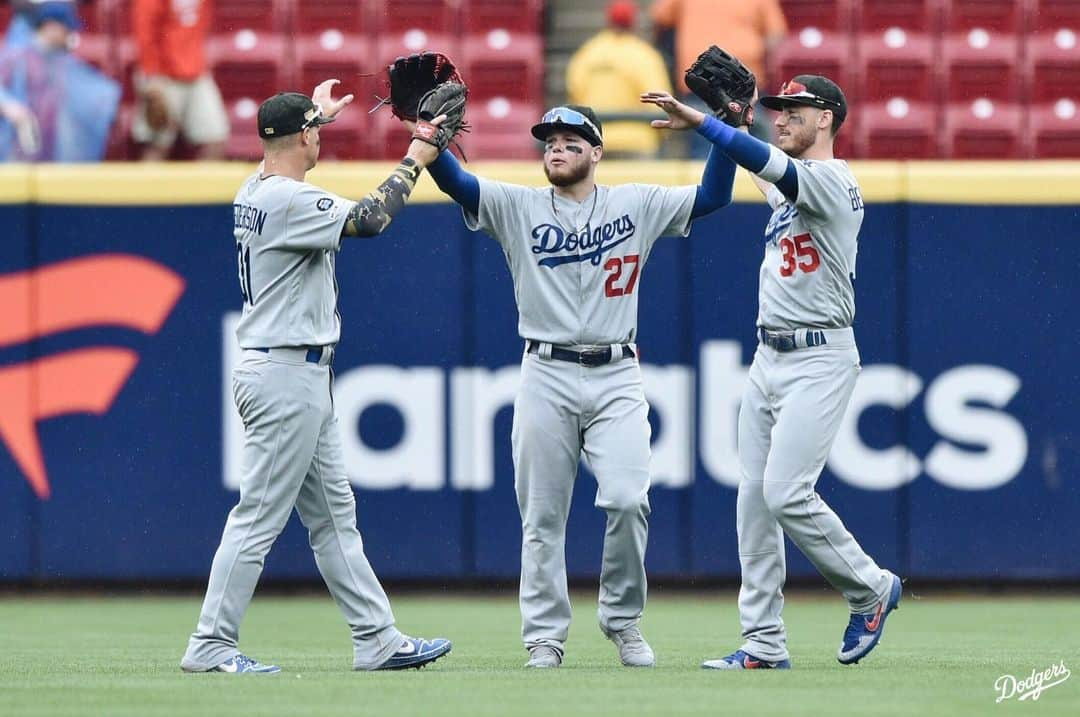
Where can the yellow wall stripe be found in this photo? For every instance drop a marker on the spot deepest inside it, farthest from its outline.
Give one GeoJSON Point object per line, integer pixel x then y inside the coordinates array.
{"type": "Point", "coordinates": [180, 183]}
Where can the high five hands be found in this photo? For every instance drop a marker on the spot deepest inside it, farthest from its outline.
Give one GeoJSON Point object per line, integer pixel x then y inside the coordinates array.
{"type": "Point", "coordinates": [323, 96]}
{"type": "Point", "coordinates": [680, 116]}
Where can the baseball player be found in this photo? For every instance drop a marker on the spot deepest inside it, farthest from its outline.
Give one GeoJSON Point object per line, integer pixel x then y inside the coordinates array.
{"type": "Point", "coordinates": [803, 372]}
{"type": "Point", "coordinates": [287, 234]}
{"type": "Point", "coordinates": [576, 250]}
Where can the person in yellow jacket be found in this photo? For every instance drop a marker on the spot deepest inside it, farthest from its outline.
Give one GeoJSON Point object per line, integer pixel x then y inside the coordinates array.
{"type": "Point", "coordinates": [609, 73]}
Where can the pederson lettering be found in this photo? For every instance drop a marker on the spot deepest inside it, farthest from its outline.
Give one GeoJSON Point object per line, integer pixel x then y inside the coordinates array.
{"type": "Point", "coordinates": [248, 217]}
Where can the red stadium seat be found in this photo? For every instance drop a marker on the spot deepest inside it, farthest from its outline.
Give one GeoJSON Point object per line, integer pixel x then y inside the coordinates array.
{"type": "Point", "coordinates": [231, 16]}
{"type": "Point", "coordinates": [503, 64]}
{"type": "Point", "coordinates": [1054, 64]}
{"type": "Point", "coordinates": [898, 63]}
{"type": "Point", "coordinates": [481, 16]}
{"type": "Point", "coordinates": [98, 16]}
{"type": "Point", "coordinates": [332, 54]}
{"type": "Point", "coordinates": [984, 129]}
{"type": "Point", "coordinates": [1053, 57]}
{"type": "Point", "coordinates": [1049, 16]}
{"type": "Point", "coordinates": [828, 15]}
{"type": "Point", "coordinates": [501, 129]}
{"type": "Point", "coordinates": [249, 64]}
{"type": "Point", "coordinates": [897, 129]}
{"type": "Point", "coordinates": [5, 16]}
{"type": "Point", "coordinates": [912, 15]}
{"type": "Point", "coordinates": [433, 16]}
{"type": "Point", "coordinates": [389, 138]}
{"type": "Point", "coordinates": [348, 137]}
{"type": "Point", "coordinates": [981, 64]}
{"type": "Point", "coordinates": [244, 140]}
{"type": "Point", "coordinates": [1055, 128]}
{"type": "Point", "coordinates": [1004, 16]}
{"type": "Point", "coordinates": [811, 51]}
{"type": "Point", "coordinates": [349, 17]}
{"type": "Point", "coordinates": [120, 145]}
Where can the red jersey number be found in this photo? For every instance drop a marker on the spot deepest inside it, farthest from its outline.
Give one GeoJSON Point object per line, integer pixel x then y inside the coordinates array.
{"type": "Point", "coordinates": [794, 250]}
{"type": "Point", "coordinates": [614, 266]}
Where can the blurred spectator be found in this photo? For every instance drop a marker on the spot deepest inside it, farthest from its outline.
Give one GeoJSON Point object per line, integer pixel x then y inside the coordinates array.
{"type": "Point", "coordinates": [748, 29]}
{"type": "Point", "coordinates": [175, 89]}
{"type": "Point", "coordinates": [54, 107]}
{"type": "Point", "coordinates": [20, 32]}
{"type": "Point", "coordinates": [609, 72]}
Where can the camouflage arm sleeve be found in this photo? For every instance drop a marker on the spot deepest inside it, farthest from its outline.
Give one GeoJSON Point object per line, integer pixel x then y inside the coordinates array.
{"type": "Point", "coordinates": [372, 214]}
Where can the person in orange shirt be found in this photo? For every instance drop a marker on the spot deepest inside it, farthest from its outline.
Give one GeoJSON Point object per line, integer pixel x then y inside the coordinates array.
{"type": "Point", "coordinates": [176, 90]}
{"type": "Point", "coordinates": [748, 29]}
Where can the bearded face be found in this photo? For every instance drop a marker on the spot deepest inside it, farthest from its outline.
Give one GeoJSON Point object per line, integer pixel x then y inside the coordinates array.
{"type": "Point", "coordinates": [797, 128]}
{"type": "Point", "coordinates": [568, 158]}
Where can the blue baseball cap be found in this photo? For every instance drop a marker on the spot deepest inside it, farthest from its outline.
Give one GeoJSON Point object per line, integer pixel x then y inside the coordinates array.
{"type": "Point", "coordinates": [62, 12]}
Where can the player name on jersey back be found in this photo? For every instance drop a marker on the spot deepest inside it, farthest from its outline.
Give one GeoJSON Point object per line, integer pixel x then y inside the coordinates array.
{"type": "Point", "coordinates": [248, 217]}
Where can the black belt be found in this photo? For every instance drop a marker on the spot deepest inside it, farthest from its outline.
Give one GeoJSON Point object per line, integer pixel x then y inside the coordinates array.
{"type": "Point", "coordinates": [784, 341]}
{"type": "Point", "coordinates": [595, 357]}
{"type": "Point", "coordinates": [313, 355]}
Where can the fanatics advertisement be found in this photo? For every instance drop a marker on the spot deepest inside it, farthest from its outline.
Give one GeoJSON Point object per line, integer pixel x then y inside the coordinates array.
{"type": "Point", "coordinates": [120, 444]}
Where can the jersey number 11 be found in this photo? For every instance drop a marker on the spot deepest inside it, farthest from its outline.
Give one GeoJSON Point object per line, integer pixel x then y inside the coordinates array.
{"type": "Point", "coordinates": [243, 260]}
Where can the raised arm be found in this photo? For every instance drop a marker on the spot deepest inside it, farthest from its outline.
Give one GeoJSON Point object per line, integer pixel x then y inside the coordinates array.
{"type": "Point", "coordinates": [459, 185]}
{"type": "Point", "coordinates": [452, 179]}
{"type": "Point", "coordinates": [717, 180]}
{"type": "Point", "coordinates": [766, 161]}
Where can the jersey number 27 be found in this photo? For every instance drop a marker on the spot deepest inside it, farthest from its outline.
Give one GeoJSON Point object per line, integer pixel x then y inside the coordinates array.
{"type": "Point", "coordinates": [614, 266]}
{"type": "Point", "coordinates": [793, 252]}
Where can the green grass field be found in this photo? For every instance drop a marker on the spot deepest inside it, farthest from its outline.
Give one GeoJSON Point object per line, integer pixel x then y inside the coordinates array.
{"type": "Point", "coordinates": [940, 656]}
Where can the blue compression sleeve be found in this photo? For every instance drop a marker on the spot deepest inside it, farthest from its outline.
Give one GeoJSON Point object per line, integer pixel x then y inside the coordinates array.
{"type": "Point", "coordinates": [714, 192]}
{"type": "Point", "coordinates": [462, 187]}
{"type": "Point", "coordinates": [749, 152]}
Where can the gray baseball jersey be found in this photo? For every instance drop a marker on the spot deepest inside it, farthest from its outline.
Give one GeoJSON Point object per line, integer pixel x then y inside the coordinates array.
{"type": "Point", "coordinates": [576, 266]}
{"type": "Point", "coordinates": [810, 247]}
{"type": "Point", "coordinates": [287, 233]}
{"type": "Point", "coordinates": [793, 404]}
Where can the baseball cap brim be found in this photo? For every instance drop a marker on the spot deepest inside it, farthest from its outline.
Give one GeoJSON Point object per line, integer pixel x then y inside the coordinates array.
{"type": "Point", "coordinates": [779, 102]}
{"type": "Point", "coordinates": [545, 129]}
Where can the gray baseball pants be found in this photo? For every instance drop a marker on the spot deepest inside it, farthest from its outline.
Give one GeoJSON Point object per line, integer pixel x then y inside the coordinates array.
{"type": "Point", "coordinates": [292, 457]}
{"type": "Point", "coordinates": [564, 412]}
{"type": "Point", "coordinates": [790, 413]}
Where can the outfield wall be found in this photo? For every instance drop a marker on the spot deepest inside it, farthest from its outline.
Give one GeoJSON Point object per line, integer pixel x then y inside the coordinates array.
{"type": "Point", "coordinates": [118, 289]}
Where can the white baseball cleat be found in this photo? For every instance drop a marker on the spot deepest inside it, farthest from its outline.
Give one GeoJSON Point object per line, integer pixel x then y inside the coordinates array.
{"type": "Point", "coordinates": [543, 656]}
{"type": "Point", "coordinates": [633, 650]}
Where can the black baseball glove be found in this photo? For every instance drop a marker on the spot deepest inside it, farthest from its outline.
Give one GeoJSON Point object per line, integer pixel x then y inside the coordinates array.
{"type": "Point", "coordinates": [447, 99]}
{"type": "Point", "coordinates": [726, 85]}
{"type": "Point", "coordinates": [412, 77]}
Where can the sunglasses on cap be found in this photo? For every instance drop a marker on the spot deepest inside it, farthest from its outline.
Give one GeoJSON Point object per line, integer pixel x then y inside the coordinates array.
{"type": "Point", "coordinates": [797, 91]}
{"type": "Point", "coordinates": [565, 115]}
{"type": "Point", "coordinates": [313, 116]}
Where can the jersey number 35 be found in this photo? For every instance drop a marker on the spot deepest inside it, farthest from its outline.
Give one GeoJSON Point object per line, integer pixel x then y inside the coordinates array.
{"type": "Point", "coordinates": [794, 250]}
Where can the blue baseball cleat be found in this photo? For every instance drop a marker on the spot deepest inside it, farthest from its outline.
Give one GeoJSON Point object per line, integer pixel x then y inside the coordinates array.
{"type": "Point", "coordinates": [864, 629]}
{"type": "Point", "coordinates": [242, 663]}
{"type": "Point", "coordinates": [416, 652]}
{"type": "Point", "coordinates": [741, 660]}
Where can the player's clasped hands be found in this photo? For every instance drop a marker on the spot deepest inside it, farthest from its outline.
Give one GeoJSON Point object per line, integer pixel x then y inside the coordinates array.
{"type": "Point", "coordinates": [680, 116]}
